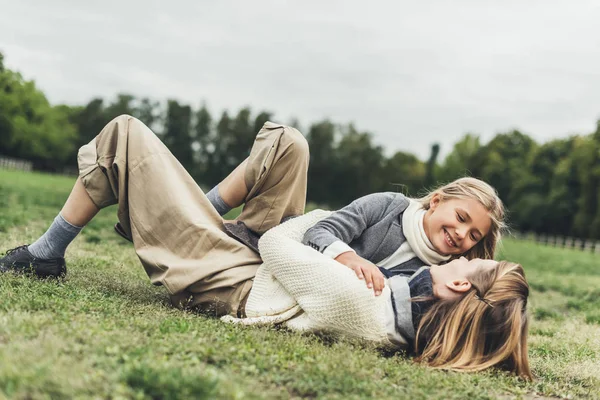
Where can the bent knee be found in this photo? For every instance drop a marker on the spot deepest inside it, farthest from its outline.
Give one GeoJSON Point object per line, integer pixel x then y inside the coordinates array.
{"type": "Point", "coordinates": [298, 143]}
{"type": "Point", "coordinates": [130, 122]}
{"type": "Point", "coordinates": [128, 119]}
{"type": "Point", "coordinates": [122, 118]}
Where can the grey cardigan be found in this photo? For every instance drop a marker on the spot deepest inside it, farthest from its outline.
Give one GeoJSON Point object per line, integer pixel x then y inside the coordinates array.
{"type": "Point", "coordinates": [371, 226]}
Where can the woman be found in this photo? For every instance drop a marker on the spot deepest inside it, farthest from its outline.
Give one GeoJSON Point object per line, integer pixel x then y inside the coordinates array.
{"type": "Point", "coordinates": [485, 326]}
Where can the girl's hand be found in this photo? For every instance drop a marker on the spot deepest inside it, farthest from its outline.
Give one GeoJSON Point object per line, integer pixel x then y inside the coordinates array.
{"type": "Point", "coordinates": [364, 269]}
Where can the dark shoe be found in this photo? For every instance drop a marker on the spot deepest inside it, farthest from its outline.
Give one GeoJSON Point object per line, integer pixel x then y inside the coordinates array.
{"type": "Point", "coordinates": [21, 260]}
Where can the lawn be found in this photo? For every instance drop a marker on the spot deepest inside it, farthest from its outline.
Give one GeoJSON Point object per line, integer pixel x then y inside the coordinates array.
{"type": "Point", "coordinates": [106, 332]}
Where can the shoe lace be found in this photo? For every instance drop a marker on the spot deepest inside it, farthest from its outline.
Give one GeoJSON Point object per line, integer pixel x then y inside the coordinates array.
{"type": "Point", "coordinates": [8, 252]}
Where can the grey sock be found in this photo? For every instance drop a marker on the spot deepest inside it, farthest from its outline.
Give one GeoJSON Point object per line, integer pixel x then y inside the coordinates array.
{"type": "Point", "coordinates": [54, 242]}
{"type": "Point", "coordinates": [217, 201]}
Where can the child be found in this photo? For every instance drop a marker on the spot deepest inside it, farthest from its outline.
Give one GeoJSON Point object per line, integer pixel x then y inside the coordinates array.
{"type": "Point", "coordinates": [385, 234]}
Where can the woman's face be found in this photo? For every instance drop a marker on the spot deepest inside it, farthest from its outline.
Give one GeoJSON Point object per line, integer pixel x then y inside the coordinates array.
{"type": "Point", "coordinates": [452, 279]}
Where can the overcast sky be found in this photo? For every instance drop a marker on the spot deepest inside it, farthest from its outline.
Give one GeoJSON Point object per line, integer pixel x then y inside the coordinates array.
{"type": "Point", "coordinates": [412, 73]}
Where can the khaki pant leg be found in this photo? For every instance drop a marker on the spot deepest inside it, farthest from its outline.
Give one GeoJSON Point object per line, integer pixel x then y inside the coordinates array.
{"type": "Point", "coordinates": [276, 177]}
{"type": "Point", "coordinates": [177, 234]}
{"type": "Point", "coordinates": [218, 301]}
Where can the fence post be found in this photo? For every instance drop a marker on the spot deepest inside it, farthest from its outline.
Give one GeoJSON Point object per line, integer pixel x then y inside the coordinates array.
{"type": "Point", "coordinates": [12, 163]}
{"type": "Point", "coordinates": [588, 246]}
{"type": "Point", "coordinates": [569, 242]}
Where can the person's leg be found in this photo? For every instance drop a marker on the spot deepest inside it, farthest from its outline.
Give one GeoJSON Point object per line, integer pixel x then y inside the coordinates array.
{"type": "Point", "coordinates": [45, 257]}
{"type": "Point", "coordinates": [275, 177]}
{"type": "Point", "coordinates": [177, 233]}
{"type": "Point", "coordinates": [75, 214]}
{"type": "Point", "coordinates": [272, 183]}
{"type": "Point", "coordinates": [231, 191]}
{"type": "Point", "coordinates": [79, 209]}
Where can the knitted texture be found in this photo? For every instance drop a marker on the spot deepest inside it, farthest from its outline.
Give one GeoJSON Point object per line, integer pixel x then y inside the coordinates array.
{"type": "Point", "coordinates": [306, 290]}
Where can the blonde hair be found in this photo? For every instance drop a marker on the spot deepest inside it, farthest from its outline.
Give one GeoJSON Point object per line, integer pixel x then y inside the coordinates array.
{"type": "Point", "coordinates": [472, 188]}
{"type": "Point", "coordinates": [483, 328]}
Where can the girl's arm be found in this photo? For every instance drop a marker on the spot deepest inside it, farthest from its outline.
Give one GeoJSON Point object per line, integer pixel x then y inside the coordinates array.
{"type": "Point", "coordinates": [347, 224]}
{"type": "Point", "coordinates": [333, 235]}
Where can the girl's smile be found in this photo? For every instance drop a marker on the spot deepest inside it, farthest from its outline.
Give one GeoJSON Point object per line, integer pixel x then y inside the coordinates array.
{"type": "Point", "coordinates": [449, 241]}
{"type": "Point", "coordinates": [455, 226]}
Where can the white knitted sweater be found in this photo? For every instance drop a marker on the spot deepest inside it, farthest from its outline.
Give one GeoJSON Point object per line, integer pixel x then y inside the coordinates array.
{"type": "Point", "coordinates": [303, 289]}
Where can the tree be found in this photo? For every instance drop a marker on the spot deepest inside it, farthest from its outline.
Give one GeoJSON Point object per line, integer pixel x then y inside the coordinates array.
{"type": "Point", "coordinates": [260, 120]}
{"type": "Point", "coordinates": [90, 120]}
{"type": "Point", "coordinates": [121, 105]}
{"type": "Point", "coordinates": [220, 163]}
{"type": "Point", "coordinates": [404, 173]}
{"type": "Point", "coordinates": [464, 160]}
{"type": "Point", "coordinates": [203, 137]}
{"type": "Point", "coordinates": [586, 158]}
{"type": "Point", "coordinates": [177, 135]}
{"type": "Point", "coordinates": [359, 165]}
{"type": "Point", "coordinates": [430, 179]}
{"type": "Point", "coordinates": [553, 187]}
{"type": "Point", "coordinates": [30, 127]}
{"type": "Point", "coordinates": [148, 111]}
{"type": "Point", "coordinates": [544, 161]}
{"type": "Point", "coordinates": [506, 157]}
{"type": "Point", "coordinates": [595, 225]}
{"type": "Point", "coordinates": [529, 199]}
{"type": "Point", "coordinates": [242, 131]}
{"type": "Point", "coordinates": [323, 162]}
{"type": "Point", "coordinates": [562, 198]}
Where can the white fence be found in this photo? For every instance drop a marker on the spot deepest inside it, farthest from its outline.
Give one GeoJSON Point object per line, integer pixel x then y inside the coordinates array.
{"type": "Point", "coordinates": [566, 242]}
{"type": "Point", "coordinates": [13, 163]}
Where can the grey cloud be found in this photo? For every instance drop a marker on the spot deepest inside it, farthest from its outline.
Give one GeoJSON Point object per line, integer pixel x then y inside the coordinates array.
{"type": "Point", "coordinates": [410, 73]}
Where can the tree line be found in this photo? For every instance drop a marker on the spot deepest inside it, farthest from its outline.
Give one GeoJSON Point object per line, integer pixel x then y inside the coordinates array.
{"type": "Point", "coordinates": [549, 187]}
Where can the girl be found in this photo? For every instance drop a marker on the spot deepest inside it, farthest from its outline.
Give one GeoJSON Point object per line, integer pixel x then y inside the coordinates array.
{"type": "Point", "coordinates": [386, 234]}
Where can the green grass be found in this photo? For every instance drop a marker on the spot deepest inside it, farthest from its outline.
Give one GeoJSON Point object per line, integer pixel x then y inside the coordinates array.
{"type": "Point", "coordinates": [105, 332]}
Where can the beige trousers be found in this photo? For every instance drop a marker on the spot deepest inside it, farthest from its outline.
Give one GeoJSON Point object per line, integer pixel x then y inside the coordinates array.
{"type": "Point", "coordinates": [177, 234]}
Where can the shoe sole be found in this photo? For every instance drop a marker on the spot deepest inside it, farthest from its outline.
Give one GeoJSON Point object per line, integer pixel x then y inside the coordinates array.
{"type": "Point", "coordinates": [41, 269]}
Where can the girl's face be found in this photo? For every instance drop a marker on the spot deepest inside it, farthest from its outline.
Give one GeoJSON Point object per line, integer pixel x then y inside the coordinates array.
{"type": "Point", "coordinates": [454, 226]}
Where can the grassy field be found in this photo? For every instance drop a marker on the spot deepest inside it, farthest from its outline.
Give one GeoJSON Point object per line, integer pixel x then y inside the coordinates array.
{"type": "Point", "coordinates": [105, 332]}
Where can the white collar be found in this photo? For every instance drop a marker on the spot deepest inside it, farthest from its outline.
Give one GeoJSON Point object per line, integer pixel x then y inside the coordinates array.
{"type": "Point", "coordinates": [412, 226]}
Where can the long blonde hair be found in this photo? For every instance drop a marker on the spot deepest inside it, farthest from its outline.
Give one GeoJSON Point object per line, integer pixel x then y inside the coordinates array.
{"type": "Point", "coordinates": [483, 328]}
{"type": "Point", "coordinates": [472, 188]}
